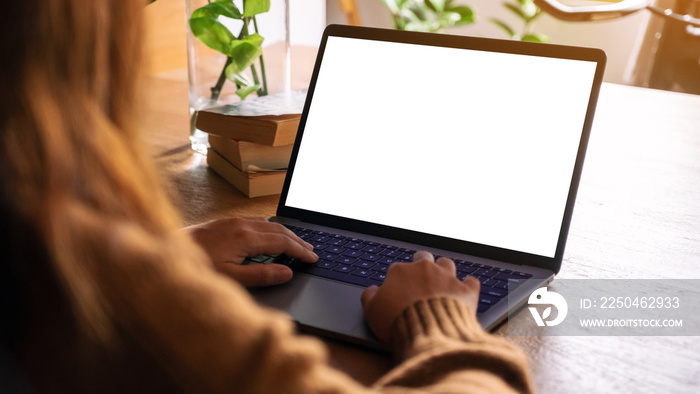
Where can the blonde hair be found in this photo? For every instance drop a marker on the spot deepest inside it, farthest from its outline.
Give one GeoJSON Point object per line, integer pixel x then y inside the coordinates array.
{"type": "Point", "coordinates": [71, 160]}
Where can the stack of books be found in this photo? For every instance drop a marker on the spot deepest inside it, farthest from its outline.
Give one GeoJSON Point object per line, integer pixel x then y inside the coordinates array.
{"type": "Point", "coordinates": [250, 152]}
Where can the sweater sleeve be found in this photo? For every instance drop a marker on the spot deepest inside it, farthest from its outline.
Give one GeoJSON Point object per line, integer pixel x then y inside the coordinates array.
{"type": "Point", "coordinates": [210, 336]}
{"type": "Point", "coordinates": [444, 349]}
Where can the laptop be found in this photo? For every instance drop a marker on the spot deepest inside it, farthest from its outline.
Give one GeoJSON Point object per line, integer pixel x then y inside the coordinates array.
{"type": "Point", "coordinates": [469, 148]}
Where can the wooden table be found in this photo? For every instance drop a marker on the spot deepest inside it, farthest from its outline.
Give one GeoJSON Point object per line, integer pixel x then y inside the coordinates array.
{"type": "Point", "coordinates": [637, 216]}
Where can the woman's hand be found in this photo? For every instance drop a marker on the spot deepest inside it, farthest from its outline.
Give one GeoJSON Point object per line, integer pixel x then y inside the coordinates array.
{"type": "Point", "coordinates": [229, 241]}
{"type": "Point", "coordinates": [408, 283]}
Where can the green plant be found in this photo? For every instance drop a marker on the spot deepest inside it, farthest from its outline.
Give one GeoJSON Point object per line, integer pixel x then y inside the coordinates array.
{"type": "Point", "coordinates": [241, 50]}
{"type": "Point", "coordinates": [428, 15]}
{"type": "Point", "coordinates": [527, 12]}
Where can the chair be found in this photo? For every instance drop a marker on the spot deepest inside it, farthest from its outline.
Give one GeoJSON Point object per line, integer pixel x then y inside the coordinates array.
{"type": "Point", "coordinates": [669, 57]}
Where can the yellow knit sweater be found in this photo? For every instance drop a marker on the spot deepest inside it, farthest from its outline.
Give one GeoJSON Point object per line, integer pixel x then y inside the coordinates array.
{"type": "Point", "coordinates": [181, 327]}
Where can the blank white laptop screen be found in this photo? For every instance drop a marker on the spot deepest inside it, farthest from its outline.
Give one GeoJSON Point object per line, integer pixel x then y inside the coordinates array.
{"type": "Point", "coordinates": [473, 145]}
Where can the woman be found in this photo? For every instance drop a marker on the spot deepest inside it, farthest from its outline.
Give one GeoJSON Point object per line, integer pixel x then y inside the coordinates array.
{"type": "Point", "coordinates": [101, 291]}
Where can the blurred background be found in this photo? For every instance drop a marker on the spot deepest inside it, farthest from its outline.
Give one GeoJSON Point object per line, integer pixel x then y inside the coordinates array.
{"type": "Point", "coordinates": [618, 38]}
{"type": "Point", "coordinates": [635, 43]}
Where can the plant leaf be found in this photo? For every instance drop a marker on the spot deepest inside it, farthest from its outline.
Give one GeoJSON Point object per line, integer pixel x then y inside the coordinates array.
{"type": "Point", "coordinates": [447, 19]}
{"type": "Point", "coordinates": [205, 25]}
{"type": "Point", "coordinates": [529, 10]}
{"type": "Point", "coordinates": [212, 33]}
{"type": "Point", "coordinates": [243, 92]}
{"type": "Point", "coordinates": [244, 52]}
{"type": "Point", "coordinates": [503, 26]}
{"type": "Point", "coordinates": [255, 39]}
{"type": "Point", "coordinates": [537, 14]}
{"type": "Point", "coordinates": [516, 10]}
{"type": "Point", "coordinates": [417, 26]}
{"type": "Point", "coordinates": [466, 14]}
{"type": "Point", "coordinates": [428, 15]}
{"type": "Point", "coordinates": [239, 79]}
{"type": "Point", "coordinates": [255, 7]}
{"type": "Point", "coordinates": [215, 9]}
{"type": "Point", "coordinates": [420, 11]}
{"type": "Point", "coordinates": [535, 37]}
{"type": "Point", "coordinates": [245, 87]}
{"type": "Point", "coordinates": [408, 17]}
{"type": "Point", "coordinates": [436, 6]}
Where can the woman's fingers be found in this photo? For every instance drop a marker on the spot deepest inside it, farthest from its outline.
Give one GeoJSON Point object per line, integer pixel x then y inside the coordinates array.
{"type": "Point", "coordinates": [448, 265]}
{"type": "Point", "coordinates": [256, 274]}
{"type": "Point", "coordinates": [228, 242]}
{"type": "Point", "coordinates": [368, 294]}
{"type": "Point", "coordinates": [422, 255]}
{"type": "Point", "coordinates": [263, 225]}
{"type": "Point", "coordinates": [407, 283]}
{"type": "Point", "coordinates": [277, 243]}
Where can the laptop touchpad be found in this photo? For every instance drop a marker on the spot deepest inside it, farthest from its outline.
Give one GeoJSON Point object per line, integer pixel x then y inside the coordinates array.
{"type": "Point", "coordinates": [320, 306]}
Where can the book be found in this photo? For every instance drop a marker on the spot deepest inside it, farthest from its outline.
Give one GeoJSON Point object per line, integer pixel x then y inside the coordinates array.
{"type": "Point", "coordinates": [252, 184]}
{"type": "Point", "coordinates": [244, 154]}
{"type": "Point", "coordinates": [274, 130]}
{"type": "Point", "coordinates": [267, 120]}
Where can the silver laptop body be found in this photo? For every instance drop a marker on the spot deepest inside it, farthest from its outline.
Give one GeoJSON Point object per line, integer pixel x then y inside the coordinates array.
{"type": "Point", "coordinates": [469, 148]}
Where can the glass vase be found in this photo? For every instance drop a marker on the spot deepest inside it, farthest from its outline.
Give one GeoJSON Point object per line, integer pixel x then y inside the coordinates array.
{"type": "Point", "coordinates": [206, 66]}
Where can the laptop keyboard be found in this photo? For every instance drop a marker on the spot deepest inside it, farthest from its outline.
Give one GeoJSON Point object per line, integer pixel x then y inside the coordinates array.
{"type": "Point", "coordinates": [365, 263]}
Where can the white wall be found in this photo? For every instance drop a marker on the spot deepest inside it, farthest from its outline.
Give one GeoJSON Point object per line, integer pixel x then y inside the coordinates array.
{"type": "Point", "coordinates": [618, 37]}
{"type": "Point", "coordinates": [307, 19]}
